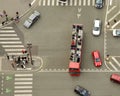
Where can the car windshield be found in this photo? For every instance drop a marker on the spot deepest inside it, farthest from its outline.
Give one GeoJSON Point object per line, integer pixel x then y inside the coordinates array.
{"type": "Point", "coordinates": [98, 1]}
{"type": "Point", "coordinates": [118, 32]}
{"type": "Point", "coordinates": [97, 59]}
{"type": "Point", "coordinates": [96, 28]}
{"type": "Point", "coordinates": [83, 92]}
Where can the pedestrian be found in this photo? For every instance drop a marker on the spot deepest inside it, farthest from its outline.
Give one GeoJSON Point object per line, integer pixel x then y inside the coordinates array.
{"type": "Point", "coordinates": [3, 23]}
{"type": "Point", "coordinates": [8, 57]}
{"type": "Point", "coordinates": [108, 23]}
{"type": "Point", "coordinates": [30, 5]}
{"type": "Point", "coordinates": [115, 20]}
{"type": "Point", "coordinates": [17, 13]}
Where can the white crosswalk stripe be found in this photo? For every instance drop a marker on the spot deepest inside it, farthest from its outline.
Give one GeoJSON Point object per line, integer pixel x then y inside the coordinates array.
{"type": "Point", "coordinates": [23, 84]}
{"type": "Point", "coordinates": [10, 41]}
{"type": "Point", "coordinates": [71, 3]}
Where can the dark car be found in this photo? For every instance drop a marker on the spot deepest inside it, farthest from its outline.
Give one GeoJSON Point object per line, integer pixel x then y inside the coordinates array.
{"type": "Point", "coordinates": [99, 4]}
{"type": "Point", "coordinates": [81, 91]}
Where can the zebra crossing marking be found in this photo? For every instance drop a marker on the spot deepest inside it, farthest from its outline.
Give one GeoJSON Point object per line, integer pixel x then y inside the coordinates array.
{"type": "Point", "coordinates": [23, 75]}
{"type": "Point", "coordinates": [22, 83]}
{"type": "Point", "coordinates": [48, 3]}
{"type": "Point", "coordinates": [113, 66]}
{"type": "Point", "coordinates": [23, 95]}
{"type": "Point", "coordinates": [22, 91]}
{"type": "Point", "coordinates": [7, 31]}
{"type": "Point", "coordinates": [22, 79]}
{"type": "Point", "coordinates": [8, 27]}
{"type": "Point", "coordinates": [8, 42]}
{"type": "Point", "coordinates": [10, 54]}
{"type": "Point", "coordinates": [23, 87]}
{"type": "Point", "coordinates": [8, 34]}
{"type": "Point", "coordinates": [9, 38]}
{"type": "Point", "coordinates": [14, 49]}
{"type": "Point", "coordinates": [12, 46]}
{"type": "Point", "coordinates": [116, 61]}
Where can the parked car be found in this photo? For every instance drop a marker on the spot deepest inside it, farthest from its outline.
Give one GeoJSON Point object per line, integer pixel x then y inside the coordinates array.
{"type": "Point", "coordinates": [99, 4]}
{"type": "Point", "coordinates": [81, 91]}
{"type": "Point", "coordinates": [96, 58]}
{"type": "Point", "coordinates": [116, 32]}
{"type": "Point", "coordinates": [97, 27]}
{"type": "Point", "coordinates": [32, 19]}
{"type": "Point", "coordinates": [115, 78]}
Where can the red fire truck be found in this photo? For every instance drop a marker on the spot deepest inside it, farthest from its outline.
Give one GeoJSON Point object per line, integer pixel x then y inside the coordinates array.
{"type": "Point", "coordinates": [76, 50]}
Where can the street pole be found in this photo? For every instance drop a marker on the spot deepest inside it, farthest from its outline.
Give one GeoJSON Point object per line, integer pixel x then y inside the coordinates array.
{"type": "Point", "coordinates": [29, 46]}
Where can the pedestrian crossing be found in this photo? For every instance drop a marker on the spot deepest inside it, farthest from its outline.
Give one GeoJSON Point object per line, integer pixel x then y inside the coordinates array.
{"type": "Point", "coordinates": [114, 63]}
{"type": "Point", "coordinates": [23, 84]}
{"type": "Point", "coordinates": [10, 41]}
{"type": "Point", "coordinates": [72, 2]}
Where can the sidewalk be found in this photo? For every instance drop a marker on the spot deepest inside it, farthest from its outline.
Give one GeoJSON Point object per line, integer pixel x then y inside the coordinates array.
{"type": "Point", "coordinates": [11, 7]}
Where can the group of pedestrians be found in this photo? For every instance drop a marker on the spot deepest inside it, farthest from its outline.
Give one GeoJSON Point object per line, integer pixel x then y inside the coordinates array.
{"type": "Point", "coordinates": [5, 15]}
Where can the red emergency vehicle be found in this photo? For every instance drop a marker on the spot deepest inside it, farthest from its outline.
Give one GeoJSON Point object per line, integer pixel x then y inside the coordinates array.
{"type": "Point", "coordinates": [76, 50]}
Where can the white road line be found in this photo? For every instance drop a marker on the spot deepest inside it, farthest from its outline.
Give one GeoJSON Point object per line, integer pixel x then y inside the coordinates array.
{"type": "Point", "coordinates": [21, 79]}
{"type": "Point", "coordinates": [88, 2]}
{"type": "Point", "coordinates": [111, 9]}
{"type": "Point", "coordinates": [71, 2]}
{"type": "Point", "coordinates": [84, 2]}
{"type": "Point", "coordinates": [93, 2]}
{"type": "Point", "coordinates": [110, 2]}
{"type": "Point", "coordinates": [14, 49]}
{"type": "Point", "coordinates": [22, 87]}
{"type": "Point", "coordinates": [40, 2]}
{"type": "Point", "coordinates": [8, 34]}
{"type": "Point", "coordinates": [116, 61]}
{"type": "Point", "coordinates": [9, 38]}
{"type": "Point", "coordinates": [22, 83]}
{"type": "Point", "coordinates": [7, 31]}
{"type": "Point", "coordinates": [15, 54]}
{"type": "Point", "coordinates": [7, 28]}
{"type": "Point", "coordinates": [114, 16]}
{"type": "Point", "coordinates": [7, 42]}
{"type": "Point", "coordinates": [20, 75]}
{"type": "Point", "coordinates": [57, 2]}
{"type": "Point", "coordinates": [22, 91]}
{"type": "Point", "coordinates": [33, 2]}
{"type": "Point", "coordinates": [116, 24]}
{"type": "Point", "coordinates": [22, 94]}
{"type": "Point", "coordinates": [5, 46]}
{"type": "Point", "coordinates": [113, 66]}
{"type": "Point", "coordinates": [53, 1]}
{"type": "Point", "coordinates": [48, 2]}
{"type": "Point", "coordinates": [44, 1]}
{"type": "Point", "coordinates": [0, 63]}
{"type": "Point", "coordinates": [79, 3]}
{"type": "Point", "coordinates": [24, 69]}
{"type": "Point", "coordinates": [75, 2]}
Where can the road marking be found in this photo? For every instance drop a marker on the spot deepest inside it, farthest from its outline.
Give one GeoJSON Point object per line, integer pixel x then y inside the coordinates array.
{"type": "Point", "coordinates": [44, 2]}
{"type": "Point", "coordinates": [8, 34]}
{"type": "Point", "coordinates": [48, 3]}
{"type": "Point", "coordinates": [114, 16]}
{"type": "Point", "coordinates": [79, 2]}
{"type": "Point", "coordinates": [111, 9]}
{"type": "Point", "coordinates": [23, 87]}
{"type": "Point", "coordinates": [84, 2]}
{"type": "Point", "coordinates": [53, 1]}
{"type": "Point", "coordinates": [57, 2]}
{"type": "Point", "coordinates": [7, 31]}
{"type": "Point", "coordinates": [24, 69]}
{"type": "Point", "coordinates": [0, 63]}
{"type": "Point", "coordinates": [9, 38]}
{"type": "Point", "coordinates": [7, 42]}
{"type": "Point", "coordinates": [14, 49]}
{"type": "Point", "coordinates": [22, 94]}
{"type": "Point", "coordinates": [25, 79]}
{"type": "Point", "coordinates": [22, 91]}
{"type": "Point", "coordinates": [20, 75]}
{"type": "Point", "coordinates": [116, 24]}
{"type": "Point", "coordinates": [110, 2]}
{"type": "Point", "coordinates": [12, 46]}
{"type": "Point", "coordinates": [116, 61]}
{"type": "Point", "coordinates": [75, 2]}
{"type": "Point", "coordinates": [113, 66]}
{"type": "Point", "coordinates": [7, 28]}
{"type": "Point", "coordinates": [33, 2]}
{"type": "Point", "coordinates": [93, 2]}
{"type": "Point", "coordinates": [39, 2]}
{"type": "Point", "coordinates": [15, 54]}
{"type": "Point", "coordinates": [71, 2]}
{"type": "Point", "coordinates": [89, 2]}
{"type": "Point", "coordinates": [22, 83]}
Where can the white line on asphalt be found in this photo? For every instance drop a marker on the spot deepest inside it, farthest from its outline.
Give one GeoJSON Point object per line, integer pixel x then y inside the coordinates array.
{"type": "Point", "coordinates": [15, 54]}
{"type": "Point", "coordinates": [22, 83]}
{"type": "Point", "coordinates": [0, 63]}
{"type": "Point", "coordinates": [88, 2]}
{"type": "Point", "coordinates": [9, 38]}
{"type": "Point", "coordinates": [116, 61]}
{"type": "Point", "coordinates": [44, 1]}
{"type": "Point", "coordinates": [75, 2]}
{"type": "Point", "coordinates": [33, 2]}
{"type": "Point", "coordinates": [84, 2]}
{"type": "Point", "coordinates": [7, 28]}
{"type": "Point", "coordinates": [113, 66]}
{"type": "Point", "coordinates": [53, 1]}
{"type": "Point", "coordinates": [7, 42]}
{"type": "Point", "coordinates": [14, 49]}
{"type": "Point", "coordinates": [20, 75]}
{"type": "Point", "coordinates": [25, 79]}
{"type": "Point", "coordinates": [22, 91]}
{"type": "Point", "coordinates": [110, 2]}
{"type": "Point", "coordinates": [24, 69]}
{"type": "Point", "coordinates": [7, 31]}
{"type": "Point", "coordinates": [114, 16]}
{"type": "Point", "coordinates": [22, 94]}
{"type": "Point", "coordinates": [57, 2]}
{"type": "Point", "coordinates": [22, 87]}
{"type": "Point", "coordinates": [40, 2]}
{"type": "Point", "coordinates": [71, 2]}
{"type": "Point", "coordinates": [111, 9]}
{"type": "Point", "coordinates": [93, 2]}
{"type": "Point", "coordinates": [79, 2]}
{"type": "Point", "coordinates": [116, 24]}
{"type": "Point", "coordinates": [12, 46]}
{"type": "Point", "coordinates": [48, 2]}
{"type": "Point", "coordinates": [8, 34]}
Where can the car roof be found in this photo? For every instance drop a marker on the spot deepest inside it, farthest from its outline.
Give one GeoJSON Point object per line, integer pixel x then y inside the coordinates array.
{"type": "Point", "coordinates": [97, 23]}
{"type": "Point", "coordinates": [116, 77]}
{"type": "Point", "coordinates": [32, 16]}
{"type": "Point", "coordinates": [96, 54]}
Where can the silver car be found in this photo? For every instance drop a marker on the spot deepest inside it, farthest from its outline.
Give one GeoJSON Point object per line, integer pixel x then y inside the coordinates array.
{"type": "Point", "coordinates": [116, 32]}
{"type": "Point", "coordinates": [32, 19]}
